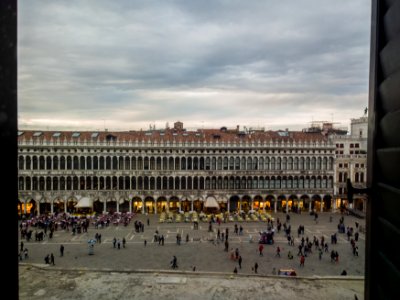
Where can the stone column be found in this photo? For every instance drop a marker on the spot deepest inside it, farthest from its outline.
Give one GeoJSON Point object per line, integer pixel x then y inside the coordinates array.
{"type": "Point", "coordinates": [25, 203]}
{"type": "Point", "coordinates": [275, 205]}
{"type": "Point", "coordinates": [287, 204]}
{"type": "Point", "coordinates": [252, 204]}
{"type": "Point", "coordinates": [130, 204]}
{"type": "Point", "coordinates": [309, 206]}
{"type": "Point", "coordinates": [65, 204]}
{"type": "Point", "coordinates": [117, 205]}
{"type": "Point", "coordinates": [143, 206]}
{"type": "Point", "coordinates": [52, 206]}
{"type": "Point", "coordinates": [105, 206]}
{"type": "Point", "coordinates": [155, 207]}
{"type": "Point", "coordinates": [322, 203]}
{"type": "Point", "coordinates": [38, 197]}
{"type": "Point", "coordinates": [192, 205]}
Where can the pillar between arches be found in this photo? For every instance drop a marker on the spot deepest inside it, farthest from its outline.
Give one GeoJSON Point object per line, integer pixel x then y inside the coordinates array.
{"type": "Point", "coordinates": [322, 203]}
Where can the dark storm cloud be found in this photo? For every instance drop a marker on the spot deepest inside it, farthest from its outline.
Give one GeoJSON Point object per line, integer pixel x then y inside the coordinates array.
{"type": "Point", "coordinates": [228, 62]}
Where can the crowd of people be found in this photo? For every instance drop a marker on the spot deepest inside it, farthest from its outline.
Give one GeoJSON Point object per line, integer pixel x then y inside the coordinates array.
{"type": "Point", "coordinates": [45, 226]}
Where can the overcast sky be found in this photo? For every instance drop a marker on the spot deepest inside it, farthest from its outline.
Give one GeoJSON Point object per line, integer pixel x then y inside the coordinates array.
{"type": "Point", "coordinates": [122, 65]}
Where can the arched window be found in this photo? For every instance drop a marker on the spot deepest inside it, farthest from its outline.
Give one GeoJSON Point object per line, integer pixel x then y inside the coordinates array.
{"type": "Point", "coordinates": [290, 164]}
{"type": "Point", "coordinates": [69, 163]}
{"type": "Point", "coordinates": [128, 163]}
{"type": "Point", "coordinates": [273, 163]}
{"type": "Point", "coordinates": [21, 163]}
{"type": "Point", "coordinates": [324, 163]}
{"type": "Point", "coordinates": [296, 163]}
{"type": "Point", "coordinates": [225, 163]}
{"type": "Point", "coordinates": [318, 167]}
{"type": "Point", "coordinates": [313, 163]}
{"type": "Point", "coordinates": [121, 165]}
{"type": "Point", "coordinates": [284, 164]}
{"type": "Point", "coordinates": [34, 163]}
{"type": "Point", "coordinates": [114, 165]}
{"type": "Point", "coordinates": [133, 183]}
{"type": "Point", "coordinates": [278, 164]}
{"type": "Point", "coordinates": [89, 165]}
{"type": "Point", "coordinates": [208, 163]}
{"type": "Point", "coordinates": [82, 163]}
{"type": "Point", "coordinates": [102, 165]}
{"type": "Point", "coordinates": [219, 163]}
{"type": "Point", "coordinates": [41, 183]}
{"type": "Point", "coordinates": [55, 163]}
{"type": "Point", "coordinates": [231, 163]}
{"type": "Point", "coordinates": [48, 163]}
{"type": "Point", "coordinates": [237, 163]}
{"type": "Point", "coordinates": [249, 163]}
{"type": "Point", "coordinates": [76, 163]}
{"type": "Point", "coordinates": [95, 163]}
{"type": "Point", "coordinates": [28, 165]}
{"type": "Point", "coordinates": [41, 163]}
{"type": "Point", "coordinates": [243, 163]}
{"type": "Point", "coordinates": [55, 184]}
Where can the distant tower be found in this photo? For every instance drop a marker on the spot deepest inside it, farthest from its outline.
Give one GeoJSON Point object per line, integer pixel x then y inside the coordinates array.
{"type": "Point", "coordinates": [178, 126]}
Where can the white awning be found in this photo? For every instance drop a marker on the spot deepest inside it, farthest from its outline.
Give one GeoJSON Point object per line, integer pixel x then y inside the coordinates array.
{"type": "Point", "coordinates": [211, 202]}
{"type": "Point", "coordinates": [84, 202]}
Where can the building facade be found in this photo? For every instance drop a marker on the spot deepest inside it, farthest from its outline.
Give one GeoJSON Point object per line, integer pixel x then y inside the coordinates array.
{"type": "Point", "coordinates": [351, 162]}
{"type": "Point", "coordinates": [175, 169]}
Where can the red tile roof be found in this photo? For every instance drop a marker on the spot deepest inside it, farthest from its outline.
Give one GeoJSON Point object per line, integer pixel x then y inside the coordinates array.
{"type": "Point", "coordinates": [208, 135]}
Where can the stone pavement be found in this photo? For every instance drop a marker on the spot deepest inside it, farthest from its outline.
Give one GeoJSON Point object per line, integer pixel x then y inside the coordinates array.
{"type": "Point", "coordinates": [206, 256]}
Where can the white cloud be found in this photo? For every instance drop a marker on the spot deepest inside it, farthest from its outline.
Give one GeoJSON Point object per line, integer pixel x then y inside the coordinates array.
{"type": "Point", "coordinates": [214, 63]}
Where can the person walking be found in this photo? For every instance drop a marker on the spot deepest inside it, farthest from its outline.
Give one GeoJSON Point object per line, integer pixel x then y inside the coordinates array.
{"type": "Point", "coordinates": [240, 261]}
{"type": "Point", "coordinates": [61, 250]}
{"type": "Point", "coordinates": [52, 259]}
{"type": "Point", "coordinates": [235, 270]}
{"type": "Point", "coordinates": [174, 263]}
{"type": "Point", "coordinates": [123, 242]}
{"type": "Point", "coordinates": [278, 251]}
{"type": "Point", "coordinates": [260, 249]}
{"type": "Point", "coordinates": [302, 260]}
{"type": "Point", "coordinates": [114, 242]}
{"type": "Point", "coordinates": [255, 267]}
{"type": "Point", "coordinates": [21, 246]}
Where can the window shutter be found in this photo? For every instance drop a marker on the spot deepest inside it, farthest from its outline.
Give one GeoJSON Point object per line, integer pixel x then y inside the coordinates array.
{"type": "Point", "coordinates": [383, 222]}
